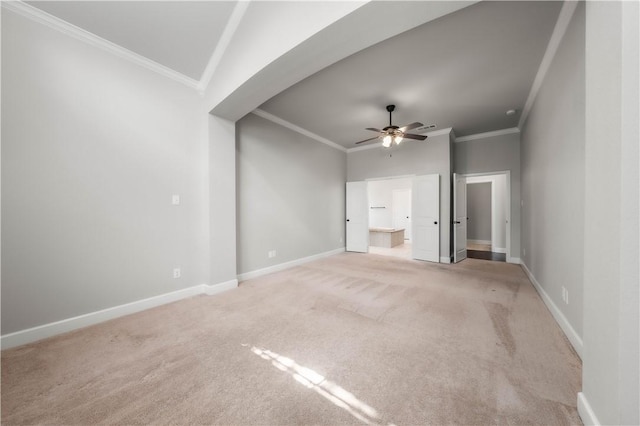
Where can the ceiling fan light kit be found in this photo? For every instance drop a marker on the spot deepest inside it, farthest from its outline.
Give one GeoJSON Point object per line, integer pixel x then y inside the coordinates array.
{"type": "Point", "coordinates": [393, 134]}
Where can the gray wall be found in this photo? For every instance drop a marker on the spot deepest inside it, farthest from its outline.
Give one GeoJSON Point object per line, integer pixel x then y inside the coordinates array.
{"type": "Point", "coordinates": [93, 147]}
{"type": "Point", "coordinates": [611, 358]}
{"type": "Point", "coordinates": [412, 158]}
{"type": "Point", "coordinates": [290, 195]}
{"type": "Point", "coordinates": [553, 177]}
{"type": "Point", "coordinates": [495, 154]}
{"type": "Point", "coordinates": [222, 200]}
{"type": "Point", "coordinates": [479, 211]}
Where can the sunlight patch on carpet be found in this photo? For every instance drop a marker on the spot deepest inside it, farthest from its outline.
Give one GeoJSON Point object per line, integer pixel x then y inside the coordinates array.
{"type": "Point", "coordinates": [327, 389]}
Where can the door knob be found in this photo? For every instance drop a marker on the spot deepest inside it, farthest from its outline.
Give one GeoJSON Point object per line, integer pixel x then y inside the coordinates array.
{"type": "Point", "coordinates": [347, 220]}
{"type": "Point", "coordinates": [457, 222]}
{"type": "Point", "coordinates": [435, 223]}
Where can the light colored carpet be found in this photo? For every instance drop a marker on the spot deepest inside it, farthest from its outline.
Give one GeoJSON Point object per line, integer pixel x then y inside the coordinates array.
{"type": "Point", "coordinates": [350, 339]}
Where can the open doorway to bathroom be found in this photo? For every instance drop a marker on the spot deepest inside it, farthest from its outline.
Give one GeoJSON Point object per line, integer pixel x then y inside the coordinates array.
{"type": "Point", "coordinates": [390, 217]}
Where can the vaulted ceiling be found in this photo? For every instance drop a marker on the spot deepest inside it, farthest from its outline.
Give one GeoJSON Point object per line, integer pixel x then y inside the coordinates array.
{"type": "Point", "coordinates": [181, 35]}
{"type": "Point", "coordinates": [463, 70]}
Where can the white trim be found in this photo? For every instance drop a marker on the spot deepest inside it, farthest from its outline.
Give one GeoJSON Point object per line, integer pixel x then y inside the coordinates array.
{"type": "Point", "coordinates": [390, 177]}
{"type": "Point", "coordinates": [291, 126]}
{"type": "Point", "coordinates": [444, 259]}
{"type": "Point", "coordinates": [585, 411]}
{"type": "Point", "coordinates": [568, 7]}
{"type": "Point", "coordinates": [485, 135]}
{"type": "Point", "coordinates": [64, 27]}
{"type": "Point", "coordinates": [210, 290]}
{"type": "Point", "coordinates": [499, 249]}
{"type": "Point", "coordinates": [494, 212]}
{"type": "Point", "coordinates": [439, 132]}
{"type": "Point", "coordinates": [485, 242]}
{"type": "Point", "coordinates": [286, 265]}
{"type": "Point", "coordinates": [572, 335]}
{"type": "Point", "coordinates": [48, 330]}
{"type": "Point", "coordinates": [227, 34]}
{"type": "Point", "coordinates": [514, 260]}
{"type": "Point", "coordinates": [364, 147]}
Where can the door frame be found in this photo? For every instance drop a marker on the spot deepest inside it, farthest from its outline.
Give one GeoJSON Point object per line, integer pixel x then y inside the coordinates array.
{"type": "Point", "coordinates": [458, 222]}
{"type": "Point", "coordinates": [509, 223]}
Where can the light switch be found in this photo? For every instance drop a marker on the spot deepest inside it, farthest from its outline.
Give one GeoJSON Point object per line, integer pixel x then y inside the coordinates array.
{"type": "Point", "coordinates": [175, 200]}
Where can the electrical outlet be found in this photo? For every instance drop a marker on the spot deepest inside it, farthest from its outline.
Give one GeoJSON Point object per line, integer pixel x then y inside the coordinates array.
{"type": "Point", "coordinates": [566, 296]}
{"type": "Point", "coordinates": [176, 273]}
{"type": "Point", "coordinates": [524, 251]}
{"type": "Point", "coordinates": [175, 199]}
{"type": "Point", "coordinates": [340, 239]}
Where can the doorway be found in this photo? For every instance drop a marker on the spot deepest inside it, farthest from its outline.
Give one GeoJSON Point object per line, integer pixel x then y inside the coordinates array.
{"type": "Point", "coordinates": [487, 211]}
{"type": "Point", "coordinates": [390, 212]}
{"type": "Point", "coordinates": [482, 216]}
{"type": "Point", "coordinates": [397, 217]}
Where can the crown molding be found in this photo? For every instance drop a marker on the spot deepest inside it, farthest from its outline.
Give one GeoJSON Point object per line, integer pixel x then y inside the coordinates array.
{"type": "Point", "coordinates": [363, 148]}
{"type": "Point", "coordinates": [227, 34]}
{"type": "Point", "coordinates": [564, 18]}
{"type": "Point", "coordinates": [438, 132]}
{"type": "Point", "coordinates": [64, 27]}
{"type": "Point", "coordinates": [485, 135]}
{"type": "Point", "coordinates": [291, 126]}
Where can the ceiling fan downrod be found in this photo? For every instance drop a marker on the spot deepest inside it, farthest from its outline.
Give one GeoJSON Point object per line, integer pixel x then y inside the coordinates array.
{"type": "Point", "coordinates": [390, 108]}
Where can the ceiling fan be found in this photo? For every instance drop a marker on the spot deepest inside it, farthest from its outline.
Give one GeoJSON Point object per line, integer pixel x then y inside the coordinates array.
{"type": "Point", "coordinates": [394, 134]}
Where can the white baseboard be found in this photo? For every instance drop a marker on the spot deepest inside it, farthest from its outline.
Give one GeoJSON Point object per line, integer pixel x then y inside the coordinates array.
{"type": "Point", "coordinates": [499, 249]}
{"type": "Point", "coordinates": [515, 260]}
{"type": "Point", "coordinates": [445, 260]}
{"type": "Point", "coordinates": [574, 338]}
{"type": "Point", "coordinates": [286, 265]}
{"type": "Point", "coordinates": [484, 242]}
{"type": "Point", "coordinates": [33, 334]}
{"type": "Point", "coordinates": [586, 412]}
{"type": "Point", "coordinates": [210, 290]}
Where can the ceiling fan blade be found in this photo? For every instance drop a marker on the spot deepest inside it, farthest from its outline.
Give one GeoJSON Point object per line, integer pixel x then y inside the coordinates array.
{"type": "Point", "coordinates": [416, 137]}
{"type": "Point", "coordinates": [366, 140]}
{"type": "Point", "coordinates": [373, 129]}
{"type": "Point", "coordinates": [410, 126]}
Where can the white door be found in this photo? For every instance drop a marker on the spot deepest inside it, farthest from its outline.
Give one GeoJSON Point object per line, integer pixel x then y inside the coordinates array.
{"type": "Point", "coordinates": [459, 218]}
{"type": "Point", "coordinates": [401, 211]}
{"type": "Point", "coordinates": [357, 208]}
{"type": "Point", "coordinates": [425, 218]}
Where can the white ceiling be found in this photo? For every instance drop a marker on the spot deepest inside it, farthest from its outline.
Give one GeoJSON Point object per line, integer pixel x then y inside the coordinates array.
{"type": "Point", "coordinates": [180, 35]}
{"type": "Point", "coordinates": [464, 70]}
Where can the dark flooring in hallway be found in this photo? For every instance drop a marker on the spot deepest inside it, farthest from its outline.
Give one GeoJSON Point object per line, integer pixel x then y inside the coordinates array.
{"type": "Point", "coordinates": [487, 255]}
